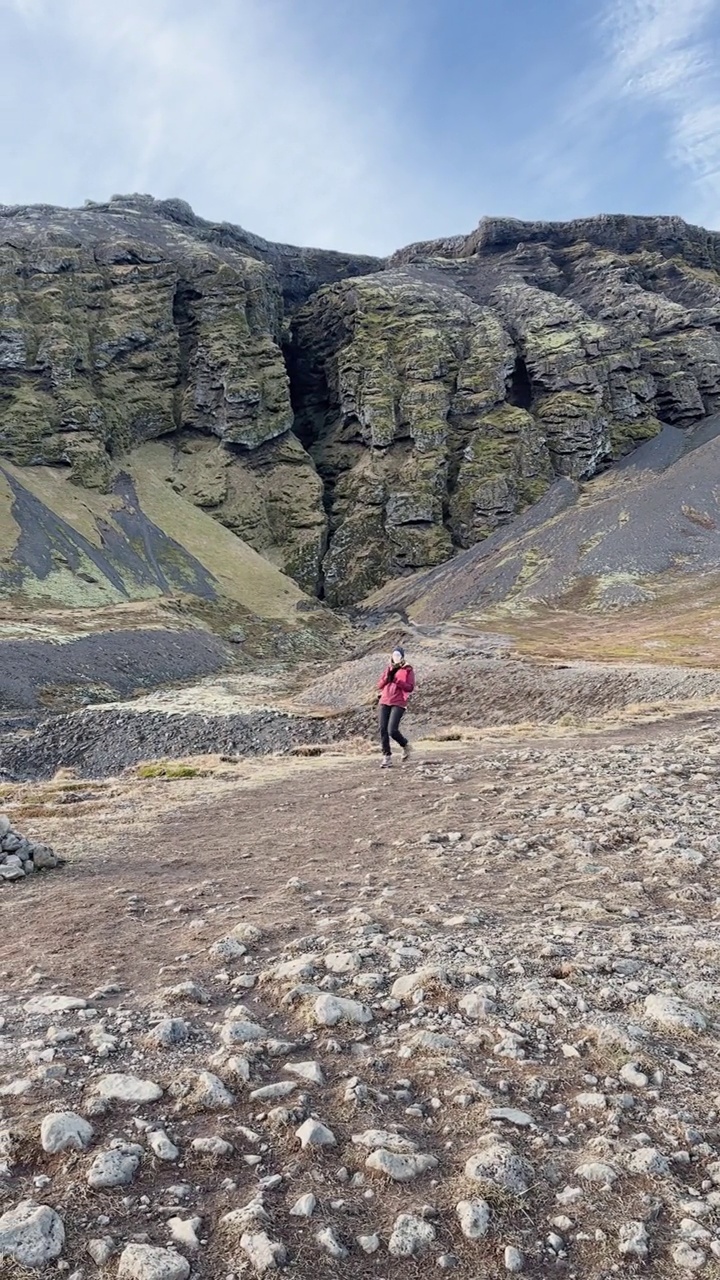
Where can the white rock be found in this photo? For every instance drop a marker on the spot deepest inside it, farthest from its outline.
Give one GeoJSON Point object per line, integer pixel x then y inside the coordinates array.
{"type": "Point", "coordinates": [212, 1146]}
{"type": "Point", "coordinates": [328, 1241]}
{"type": "Point", "coordinates": [246, 932]}
{"type": "Point", "coordinates": [242, 1031]}
{"type": "Point", "coordinates": [301, 967]}
{"type": "Point", "coordinates": [511, 1116]}
{"type": "Point", "coordinates": [649, 1161]}
{"type": "Point", "coordinates": [146, 1262]}
{"type": "Point", "coordinates": [168, 1033]}
{"type": "Point", "coordinates": [343, 961]}
{"type": "Point", "coordinates": [592, 1101]}
{"type": "Point", "coordinates": [401, 1168]}
{"type": "Point", "coordinates": [633, 1240]}
{"type": "Point", "coordinates": [304, 1207]}
{"type": "Point", "coordinates": [310, 1071]}
{"type": "Point", "coordinates": [476, 1004]}
{"type": "Point", "coordinates": [314, 1134]}
{"type": "Point", "coordinates": [124, 1088]}
{"type": "Point", "coordinates": [101, 1249]}
{"type": "Point", "coordinates": [161, 1146]}
{"type": "Point", "coordinates": [262, 1253]}
{"type": "Point", "coordinates": [228, 949]}
{"type": "Point", "coordinates": [619, 804]}
{"type": "Point", "coordinates": [513, 1260]}
{"type": "Point", "coordinates": [209, 1093]}
{"type": "Point", "coordinates": [329, 1010]}
{"type": "Point", "coordinates": [373, 1139]}
{"type": "Point", "coordinates": [404, 986]}
{"type": "Point", "coordinates": [31, 1234]}
{"type": "Point", "coordinates": [597, 1171]}
{"type": "Point", "coordinates": [369, 1244]}
{"type": "Point", "coordinates": [184, 1231]}
{"type": "Point", "coordinates": [474, 1218]}
{"type": "Point", "coordinates": [54, 1004]}
{"type": "Point", "coordinates": [271, 1092]}
{"type": "Point", "coordinates": [629, 1074]}
{"type": "Point", "coordinates": [687, 1258]}
{"type": "Point", "coordinates": [674, 1014]}
{"type": "Point", "coordinates": [65, 1131]}
{"type": "Point", "coordinates": [497, 1162]}
{"type": "Point", "coordinates": [115, 1168]}
{"type": "Point", "coordinates": [410, 1236]}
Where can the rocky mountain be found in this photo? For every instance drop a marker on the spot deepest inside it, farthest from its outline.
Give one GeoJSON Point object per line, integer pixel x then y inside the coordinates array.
{"type": "Point", "coordinates": [352, 420]}
{"type": "Point", "coordinates": [649, 526]}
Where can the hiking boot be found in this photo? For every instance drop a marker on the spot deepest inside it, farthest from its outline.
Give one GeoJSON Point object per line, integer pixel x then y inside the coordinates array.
{"type": "Point", "coordinates": [407, 752]}
{"type": "Point", "coordinates": [386, 762]}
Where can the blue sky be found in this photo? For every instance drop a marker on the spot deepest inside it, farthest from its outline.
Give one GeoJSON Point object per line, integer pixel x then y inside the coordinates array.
{"type": "Point", "coordinates": [365, 124]}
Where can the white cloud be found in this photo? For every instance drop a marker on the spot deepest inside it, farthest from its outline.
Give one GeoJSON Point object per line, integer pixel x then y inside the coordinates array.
{"type": "Point", "coordinates": [223, 102]}
{"type": "Point", "coordinates": [661, 55]}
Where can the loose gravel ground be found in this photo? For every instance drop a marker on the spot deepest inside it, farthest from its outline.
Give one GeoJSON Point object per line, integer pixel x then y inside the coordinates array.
{"type": "Point", "coordinates": [459, 1016]}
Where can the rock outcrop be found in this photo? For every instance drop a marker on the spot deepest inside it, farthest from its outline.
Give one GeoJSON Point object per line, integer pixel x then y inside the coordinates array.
{"type": "Point", "coordinates": [351, 419]}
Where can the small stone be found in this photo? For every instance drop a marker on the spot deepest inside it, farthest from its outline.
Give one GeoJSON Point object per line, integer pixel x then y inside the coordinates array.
{"type": "Point", "coordinates": [101, 1250]}
{"type": "Point", "coordinates": [476, 1004]}
{"type": "Point", "coordinates": [31, 1234]}
{"type": "Point", "coordinates": [301, 967]}
{"type": "Point", "coordinates": [242, 1032]}
{"type": "Point", "coordinates": [206, 1092]}
{"type": "Point", "coordinates": [513, 1260]}
{"type": "Point", "coordinates": [65, 1131]}
{"type": "Point", "coordinates": [161, 1146]}
{"type": "Point", "coordinates": [184, 1231]}
{"type": "Point", "coordinates": [124, 1088]}
{"type": "Point", "coordinates": [115, 1168]}
{"type": "Point", "coordinates": [499, 1163]}
{"type": "Point", "coordinates": [591, 1101]}
{"type": "Point", "coordinates": [271, 1092]}
{"type": "Point", "coordinates": [168, 1033]}
{"type": "Point", "coordinates": [687, 1258]}
{"type": "Point", "coordinates": [410, 1236]}
{"type": "Point", "coordinates": [228, 949]}
{"type": "Point", "coordinates": [373, 1139]}
{"type": "Point", "coordinates": [597, 1171]}
{"type": "Point", "coordinates": [674, 1014]}
{"type": "Point", "coordinates": [304, 1207]}
{"type": "Point", "coordinates": [310, 1071]}
{"type": "Point", "coordinates": [328, 1241]}
{"type": "Point", "coordinates": [511, 1116]}
{"type": "Point", "coordinates": [401, 1168]}
{"type": "Point", "coordinates": [262, 1253]}
{"type": "Point", "coordinates": [629, 1074]}
{"type": "Point", "coordinates": [329, 1010]}
{"type": "Point", "coordinates": [474, 1218]}
{"type": "Point", "coordinates": [213, 1146]}
{"type": "Point", "coordinates": [649, 1161]}
{"type": "Point", "coordinates": [633, 1240]}
{"type": "Point", "coordinates": [314, 1134]}
{"type": "Point", "coordinates": [369, 1244]}
{"type": "Point", "coordinates": [146, 1262]}
{"type": "Point", "coordinates": [54, 1004]}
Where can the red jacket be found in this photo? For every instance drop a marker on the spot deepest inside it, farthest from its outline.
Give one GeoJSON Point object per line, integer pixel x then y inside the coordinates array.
{"type": "Point", "coordinates": [396, 693]}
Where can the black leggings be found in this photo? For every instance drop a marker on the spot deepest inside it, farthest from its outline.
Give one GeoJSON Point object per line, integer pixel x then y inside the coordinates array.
{"type": "Point", "coordinates": [390, 718]}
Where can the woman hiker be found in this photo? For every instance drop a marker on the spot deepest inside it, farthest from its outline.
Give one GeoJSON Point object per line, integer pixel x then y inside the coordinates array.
{"type": "Point", "coordinates": [396, 684]}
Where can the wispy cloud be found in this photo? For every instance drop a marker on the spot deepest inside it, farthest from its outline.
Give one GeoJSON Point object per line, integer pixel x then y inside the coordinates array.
{"type": "Point", "coordinates": [662, 55]}
{"type": "Point", "coordinates": [223, 102]}
{"type": "Point", "coordinates": [647, 100]}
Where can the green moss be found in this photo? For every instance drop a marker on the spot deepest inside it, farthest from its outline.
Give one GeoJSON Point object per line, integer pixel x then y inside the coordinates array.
{"type": "Point", "coordinates": [168, 770]}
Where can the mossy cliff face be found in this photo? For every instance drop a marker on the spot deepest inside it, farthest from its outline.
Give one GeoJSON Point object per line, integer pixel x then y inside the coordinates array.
{"type": "Point", "coordinates": [441, 398]}
{"type": "Point", "coordinates": [130, 322]}
{"type": "Point", "coordinates": [351, 419]}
